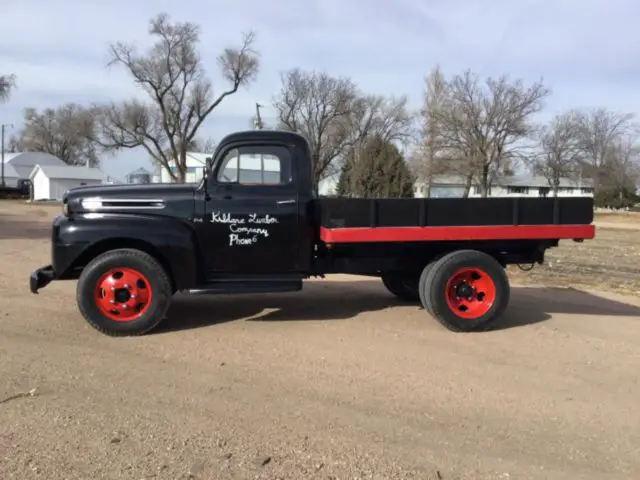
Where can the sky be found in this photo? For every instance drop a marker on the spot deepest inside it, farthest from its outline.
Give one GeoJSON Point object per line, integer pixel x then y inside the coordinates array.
{"type": "Point", "coordinates": [586, 51]}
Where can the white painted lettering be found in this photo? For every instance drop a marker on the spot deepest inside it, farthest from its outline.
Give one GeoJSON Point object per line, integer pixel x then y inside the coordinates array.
{"type": "Point", "coordinates": [235, 239]}
{"type": "Point", "coordinates": [240, 234]}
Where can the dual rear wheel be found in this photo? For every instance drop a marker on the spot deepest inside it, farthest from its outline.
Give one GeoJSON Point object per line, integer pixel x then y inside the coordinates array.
{"type": "Point", "coordinates": [465, 290]}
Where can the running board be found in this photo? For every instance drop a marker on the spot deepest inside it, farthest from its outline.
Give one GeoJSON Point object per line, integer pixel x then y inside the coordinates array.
{"type": "Point", "coordinates": [235, 287]}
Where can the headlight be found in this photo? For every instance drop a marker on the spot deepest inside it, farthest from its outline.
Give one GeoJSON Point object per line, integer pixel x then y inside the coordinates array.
{"type": "Point", "coordinates": [65, 209]}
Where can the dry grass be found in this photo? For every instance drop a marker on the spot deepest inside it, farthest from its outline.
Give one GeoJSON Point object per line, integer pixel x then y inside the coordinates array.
{"type": "Point", "coordinates": [611, 262]}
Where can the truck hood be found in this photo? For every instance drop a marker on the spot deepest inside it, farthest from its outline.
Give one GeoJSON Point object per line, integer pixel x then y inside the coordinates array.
{"type": "Point", "coordinates": [157, 199]}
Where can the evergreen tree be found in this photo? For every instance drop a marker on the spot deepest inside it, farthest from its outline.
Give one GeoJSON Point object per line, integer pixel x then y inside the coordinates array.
{"type": "Point", "coordinates": [343, 189]}
{"type": "Point", "coordinates": [379, 171]}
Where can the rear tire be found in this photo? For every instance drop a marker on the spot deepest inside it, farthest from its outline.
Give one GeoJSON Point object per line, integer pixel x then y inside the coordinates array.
{"type": "Point", "coordinates": [423, 287]}
{"type": "Point", "coordinates": [403, 285]}
{"type": "Point", "coordinates": [465, 290]}
{"type": "Point", "coordinates": [124, 292]}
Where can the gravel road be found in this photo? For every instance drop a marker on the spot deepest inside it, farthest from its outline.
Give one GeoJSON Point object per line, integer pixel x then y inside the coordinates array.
{"type": "Point", "coordinates": [340, 381]}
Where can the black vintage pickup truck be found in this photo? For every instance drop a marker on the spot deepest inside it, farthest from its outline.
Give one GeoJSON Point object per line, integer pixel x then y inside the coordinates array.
{"type": "Point", "coordinates": [254, 224]}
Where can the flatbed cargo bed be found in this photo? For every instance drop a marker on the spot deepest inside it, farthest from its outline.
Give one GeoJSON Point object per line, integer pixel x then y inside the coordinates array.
{"type": "Point", "coordinates": [355, 220]}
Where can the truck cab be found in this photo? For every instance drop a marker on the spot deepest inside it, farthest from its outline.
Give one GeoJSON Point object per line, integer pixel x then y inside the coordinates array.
{"type": "Point", "coordinates": [254, 224]}
{"type": "Point", "coordinates": [254, 212]}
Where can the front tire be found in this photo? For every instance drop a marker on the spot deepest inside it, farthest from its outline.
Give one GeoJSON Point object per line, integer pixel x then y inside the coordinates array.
{"type": "Point", "coordinates": [124, 292]}
{"type": "Point", "coordinates": [466, 291]}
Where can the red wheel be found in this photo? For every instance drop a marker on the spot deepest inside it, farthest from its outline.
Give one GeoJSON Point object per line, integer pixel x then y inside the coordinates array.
{"type": "Point", "coordinates": [465, 290]}
{"type": "Point", "coordinates": [470, 293]}
{"type": "Point", "coordinates": [123, 294]}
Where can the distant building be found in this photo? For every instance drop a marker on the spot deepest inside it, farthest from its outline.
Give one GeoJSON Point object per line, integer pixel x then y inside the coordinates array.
{"type": "Point", "coordinates": [328, 186]}
{"type": "Point", "coordinates": [196, 162]}
{"type": "Point", "coordinates": [50, 182]}
{"type": "Point", "coordinates": [109, 180]}
{"type": "Point", "coordinates": [140, 176]}
{"type": "Point", "coordinates": [18, 166]}
{"type": "Point", "coordinates": [451, 186]}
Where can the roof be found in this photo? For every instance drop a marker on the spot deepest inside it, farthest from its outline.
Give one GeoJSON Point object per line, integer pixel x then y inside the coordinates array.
{"type": "Point", "coordinates": [68, 172]}
{"type": "Point", "coordinates": [10, 172]}
{"type": "Point", "coordinates": [31, 159]}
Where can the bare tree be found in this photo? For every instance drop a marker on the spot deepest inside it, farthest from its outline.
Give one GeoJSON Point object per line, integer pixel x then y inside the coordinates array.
{"type": "Point", "coordinates": [318, 106]}
{"type": "Point", "coordinates": [484, 122]}
{"type": "Point", "coordinates": [7, 84]}
{"type": "Point", "coordinates": [336, 118]}
{"type": "Point", "coordinates": [181, 96]}
{"type": "Point", "coordinates": [385, 118]}
{"type": "Point", "coordinates": [202, 145]}
{"type": "Point", "coordinates": [64, 132]}
{"type": "Point", "coordinates": [428, 158]}
{"type": "Point", "coordinates": [559, 153]}
{"type": "Point", "coordinates": [623, 164]}
{"type": "Point", "coordinates": [600, 131]}
{"type": "Point", "coordinates": [375, 118]}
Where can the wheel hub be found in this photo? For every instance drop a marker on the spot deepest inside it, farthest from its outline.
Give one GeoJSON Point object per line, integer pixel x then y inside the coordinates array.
{"type": "Point", "coordinates": [470, 293]}
{"type": "Point", "coordinates": [123, 294]}
{"type": "Point", "coordinates": [464, 290]}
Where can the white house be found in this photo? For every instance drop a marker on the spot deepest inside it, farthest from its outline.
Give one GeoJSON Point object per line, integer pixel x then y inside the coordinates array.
{"type": "Point", "coordinates": [195, 163]}
{"type": "Point", "coordinates": [18, 166]}
{"type": "Point", "coordinates": [451, 186]}
{"type": "Point", "coordinates": [50, 182]}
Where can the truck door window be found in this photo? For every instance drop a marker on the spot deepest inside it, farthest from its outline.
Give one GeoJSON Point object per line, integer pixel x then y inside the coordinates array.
{"type": "Point", "coordinates": [255, 166]}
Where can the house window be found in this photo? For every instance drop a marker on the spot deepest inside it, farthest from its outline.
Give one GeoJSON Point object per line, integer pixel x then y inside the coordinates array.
{"type": "Point", "coordinates": [518, 190]}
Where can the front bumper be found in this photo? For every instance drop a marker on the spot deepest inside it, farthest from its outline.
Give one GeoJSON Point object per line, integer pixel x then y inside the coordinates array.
{"type": "Point", "coordinates": [41, 277]}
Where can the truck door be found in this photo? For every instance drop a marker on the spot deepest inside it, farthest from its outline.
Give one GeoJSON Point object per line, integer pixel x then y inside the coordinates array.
{"type": "Point", "coordinates": [251, 213]}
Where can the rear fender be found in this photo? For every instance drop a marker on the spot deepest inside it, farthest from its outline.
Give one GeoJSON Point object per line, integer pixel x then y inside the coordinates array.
{"type": "Point", "coordinates": [76, 241]}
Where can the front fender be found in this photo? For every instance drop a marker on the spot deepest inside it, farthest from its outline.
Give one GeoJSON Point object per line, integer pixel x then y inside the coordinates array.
{"type": "Point", "coordinates": [78, 239]}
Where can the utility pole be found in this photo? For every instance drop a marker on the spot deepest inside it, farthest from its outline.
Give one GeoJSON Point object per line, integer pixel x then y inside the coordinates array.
{"type": "Point", "coordinates": [258, 122]}
{"type": "Point", "coordinates": [2, 128]}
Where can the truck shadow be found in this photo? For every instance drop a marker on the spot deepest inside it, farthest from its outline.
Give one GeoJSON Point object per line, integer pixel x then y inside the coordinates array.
{"type": "Point", "coordinates": [23, 229]}
{"type": "Point", "coordinates": [323, 301]}
{"type": "Point", "coordinates": [527, 303]}
{"type": "Point", "coordinates": [319, 301]}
